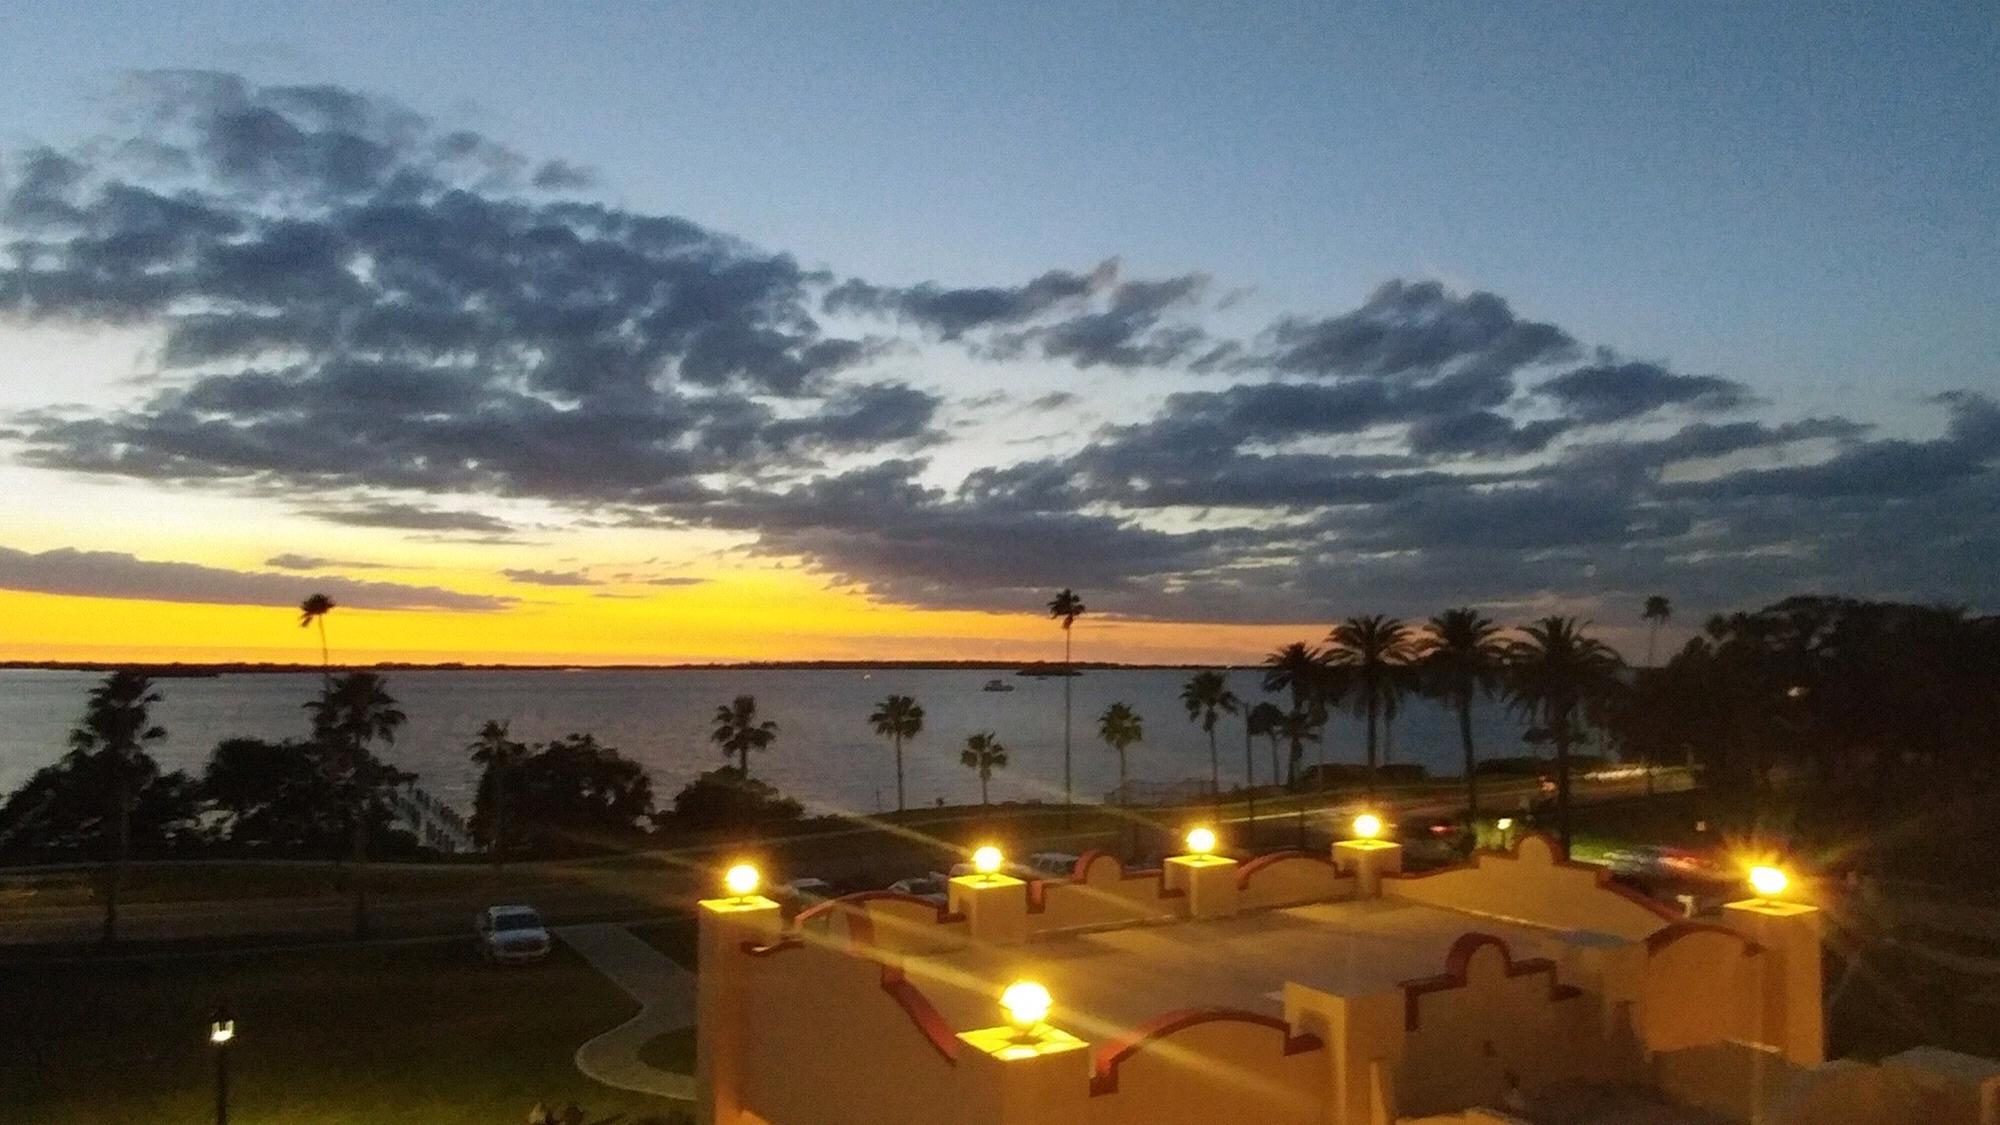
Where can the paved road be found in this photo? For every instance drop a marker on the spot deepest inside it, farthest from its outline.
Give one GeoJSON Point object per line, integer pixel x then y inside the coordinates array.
{"type": "Point", "coordinates": [665, 993]}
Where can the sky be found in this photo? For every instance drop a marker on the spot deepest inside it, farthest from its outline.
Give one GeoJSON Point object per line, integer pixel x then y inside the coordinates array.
{"type": "Point", "coordinates": [567, 333]}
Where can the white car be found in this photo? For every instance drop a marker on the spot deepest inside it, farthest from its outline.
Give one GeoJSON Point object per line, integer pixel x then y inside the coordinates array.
{"type": "Point", "coordinates": [930, 887]}
{"type": "Point", "coordinates": [511, 934]}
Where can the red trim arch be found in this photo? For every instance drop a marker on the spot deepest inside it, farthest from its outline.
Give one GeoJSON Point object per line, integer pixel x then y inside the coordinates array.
{"type": "Point", "coordinates": [1459, 960]}
{"type": "Point", "coordinates": [929, 1022]}
{"type": "Point", "coordinates": [1112, 1054]}
{"type": "Point", "coordinates": [1268, 859]}
{"type": "Point", "coordinates": [1604, 880]}
{"type": "Point", "coordinates": [1038, 902]}
{"type": "Point", "coordinates": [860, 898]}
{"type": "Point", "coordinates": [1667, 935]}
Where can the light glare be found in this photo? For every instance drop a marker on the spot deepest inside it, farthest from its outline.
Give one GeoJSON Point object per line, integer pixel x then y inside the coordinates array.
{"type": "Point", "coordinates": [1201, 841]}
{"type": "Point", "coordinates": [1770, 882]}
{"type": "Point", "coordinates": [986, 860]}
{"type": "Point", "coordinates": [1367, 826]}
{"type": "Point", "coordinates": [741, 880]}
{"type": "Point", "coordinates": [1027, 1004]}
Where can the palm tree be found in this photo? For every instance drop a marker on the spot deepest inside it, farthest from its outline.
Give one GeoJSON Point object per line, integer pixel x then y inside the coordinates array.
{"type": "Point", "coordinates": [1120, 727]}
{"type": "Point", "coordinates": [898, 718]}
{"type": "Point", "coordinates": [983, 753]}
{"type": "Point", "coordinates": [738, 732]}
{"type": "Point", "coordinates": [313, 610]}
{"type": "Point", "coordinates": [117, 724]}
{"type": "Point", "coordinates": [1459, 657]}
{"type": "Point", "coordinates": [499, 754]}
{"type": "Point", "coordinates": [354, 711]}
{"type": "Point", "coordinates": [1207, 698]}
{"type": "Point", "coordinates": [1658, 610]}
{"type": "Point", "coordinates": [1373, 651]}
{"type": "Point", "coordinates": [1553, 673]}
{"type": "Point", "coordinates": [1300, 669]}
{"type": "Point", "coordinates": [1265, 719]}
{"type": "Point", "coordinates": [1066, 607]}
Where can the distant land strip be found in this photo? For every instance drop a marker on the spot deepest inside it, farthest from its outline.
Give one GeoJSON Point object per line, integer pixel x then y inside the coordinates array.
{"type": "Point", "coordinates": [171, 670]}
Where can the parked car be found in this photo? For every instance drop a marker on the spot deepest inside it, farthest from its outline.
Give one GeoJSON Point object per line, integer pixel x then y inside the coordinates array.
{"type": "Point", "coordinates": [1053, 865]}
{"type": "Point", "coordinates": [801, 893]}
{"type": "Point", "coordinates": [511, 934]}
{"type": "Point", "coordinates": [931, 887]}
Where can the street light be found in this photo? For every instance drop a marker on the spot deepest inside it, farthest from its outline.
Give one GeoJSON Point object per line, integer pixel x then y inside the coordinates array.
{"type": "Point", "coordinates": [741, 881]}
{"type": "Point", "coordinates": [1768, 882]}
{"type": "Point", "coordinates": [221, 1032]}
{"type": "Point", "coordinates": [1201, 841]}
{"type": "Point", "coordinates": [986, 861]}
{"type": "Point", "coordinates": [1367, 826]}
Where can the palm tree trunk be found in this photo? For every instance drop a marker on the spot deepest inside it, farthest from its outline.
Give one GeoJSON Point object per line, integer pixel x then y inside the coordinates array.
{"type": "Point", "coordinates": [1121, 776]}
{"type": "Point", "coordinates": [1068, 790]}
{"type": "Point", "coordinates": [1371, 742]}
{"type": "Point", "coordinates": [121, 847]}
{"type": "Point", "coordinates": [1559, 730]}
{"type": "Point", "coordinates": [360, 872]}
{"type": "Point", "coordinates": [743, 761]}
{"type": "Point", "coordinates": [1214, 766]}
{"type": "Point", "coordinates": [982, 788]}
{"type": "Point", "coordinates": [1275, 769]}
{"type": "Point", "coordinates": [899, 773]}
{"type": "Point", "coordinates": [325, 657]}
{"type": "Point", "coordinates": [499, 840]}
{"type": "Point", "coordinates": [1250, 785]}
{"type": "Point", "coordinates": [1471, 766]}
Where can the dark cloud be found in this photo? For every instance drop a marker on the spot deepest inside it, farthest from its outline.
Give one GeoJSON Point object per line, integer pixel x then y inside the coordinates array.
{"type": "Point", "coordinates": [1612, 392]}
{"type": "Point", "coordinates": [1417, 331]}
{"type": "Point", "coordinates": [549, 577]}
{"type": "Point", "coordinates": [951, 313]}
{"type": "Point", "coordinates": [290, 561]}
{"type": "Point", "coordinates": [408, 517]}
{"type": "Point", "coordinates": [674, 580]}
{"type": "Point", "coordinates": [1483, 433]}
{"type": "Point", "coordinates": [108, 574]}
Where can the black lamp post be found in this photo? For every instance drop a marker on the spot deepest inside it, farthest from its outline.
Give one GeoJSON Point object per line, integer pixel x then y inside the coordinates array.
{"type": "Point", "coordinates": [221, 1032]}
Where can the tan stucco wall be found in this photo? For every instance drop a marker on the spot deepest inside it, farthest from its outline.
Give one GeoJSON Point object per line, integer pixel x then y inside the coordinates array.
{"type": "Point", "coordinates": [1530, 885]}
{"type": "Point", "coordinates": [1212, 1073]}
{"type": "Point", "coordinates": [1106, 896]}
{"type": "Point", "coordinates": [1698, 984]}
{"type": "Point", "coordinates": [828, 1044]}
{"type": "Point", "coordinates": [1288, 880]}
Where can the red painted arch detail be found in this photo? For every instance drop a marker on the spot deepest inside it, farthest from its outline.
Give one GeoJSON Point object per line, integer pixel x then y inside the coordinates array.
{"type": "Point", "coordinates": [1667, 935]}
{"type": "Point", "coordinates": [922, 1012]}
{"type": "Point", "coordinates": [1459, 960]}
{"type": "Point", "coordinates": [860, 898]}
{"type": "Point", "coordinates": [1269, 859]}
{"type": "Point", "coordinates": [1038, 902]}
{"type": "Point", "coordinates": [1111, 1054]}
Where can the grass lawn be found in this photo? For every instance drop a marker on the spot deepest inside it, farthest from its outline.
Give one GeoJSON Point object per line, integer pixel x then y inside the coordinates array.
{"type": "Point", "coordinates": [398, 1035]}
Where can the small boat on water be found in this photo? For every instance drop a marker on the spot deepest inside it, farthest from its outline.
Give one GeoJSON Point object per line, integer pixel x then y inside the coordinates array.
{"type": "Point", "coordinates": [997, 685]}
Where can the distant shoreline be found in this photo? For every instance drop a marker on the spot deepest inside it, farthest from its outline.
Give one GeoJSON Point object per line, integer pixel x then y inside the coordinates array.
{"type": "Point", "coordinates": [183, 670]}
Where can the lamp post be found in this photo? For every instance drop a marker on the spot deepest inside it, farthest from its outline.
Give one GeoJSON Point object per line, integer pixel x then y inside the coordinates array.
{"type": "Point", "coordinates": [221, 1031]}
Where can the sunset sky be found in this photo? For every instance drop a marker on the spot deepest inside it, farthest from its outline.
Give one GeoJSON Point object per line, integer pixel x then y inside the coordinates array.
{"type": "Point", "coordinates": [633, 333]}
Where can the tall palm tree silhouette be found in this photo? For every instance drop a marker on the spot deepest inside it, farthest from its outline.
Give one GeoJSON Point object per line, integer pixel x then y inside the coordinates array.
{"type": "Point", "coordinates": [313, 611]}
{"type": "Point", "coordinates": [354, 711]}
{"type": "Point", "coordinates": [1066, 607]}
{"type": "Point", "coordinates": [1553, 673]}
{"type": "Point", "coordinates": [1658, 610]}
{"type": "Point", "coordinates": [1299, 669]}
{"type": "Point", "coordinates": [116, 727]}
{"type": "Point", "coordinates": [1459, 658]}
{"type": "Point", "coordinates": [1374, 652]}
{"type": "Point", "coordinates": [1207, 698]}
{"type": "Point", "coordinates": [984, 754]}
{"type": "Point", "coordinates": [898, 718]}
{"type": "Point", "coordinates": [1120, 728]}
{"type": "Point", "coordinates": [499, 754]}
{"type": "Point", "coordinates": [1265, 719]}
{"type": "Point", "coordinates": [738, 731]}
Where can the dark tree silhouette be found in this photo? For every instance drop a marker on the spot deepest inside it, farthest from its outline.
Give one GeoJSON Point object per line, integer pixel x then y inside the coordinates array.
{"type": "Point", "coordinates": [1553, 673]}
{"type": "Point", "coordinates": [738, 731]}
{"type": "Point", "coordinates": [1375, 652]}
{"type": "Point", "coordinates": [898, 718]}
{"type": "Point", "coordinates": [1207, 698]}
{"type": "Point", "coordinates": [355, 711]}
{"type": "Point", "coordinates": [1120, 728]}
{"type": "Point", "coordinates": [1066, 607]}
{"type": "Point", "coordinates": [116, 728]}
{"type": "Point", "coordinates": [983, 754]}
{"type": "Point", "coordinates": [1459, 658]}
{"type": "Point", "coordinates": [499, 755]}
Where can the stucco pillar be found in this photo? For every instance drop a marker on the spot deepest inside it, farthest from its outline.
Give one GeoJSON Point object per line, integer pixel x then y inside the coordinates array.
{"type": "Point", "coordinates": [1368, 861]}
{"type": "Point", "coordinates": [995, 907]}
{"type": "Point", "coordinates": [1789, 982]}
{"type": "Point", "coordinates": [1364, 1041]}
{"type": "Point", "coordinates": [1209, 882]}
{"type": "Point", "coordinates": [1006, 1079]}
{"type": "Point", "coordinates": [722, 1023]}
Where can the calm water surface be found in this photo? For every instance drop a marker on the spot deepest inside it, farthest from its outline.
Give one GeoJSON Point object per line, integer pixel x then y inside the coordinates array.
{"type": "Point", "coordinates": [825, 753]}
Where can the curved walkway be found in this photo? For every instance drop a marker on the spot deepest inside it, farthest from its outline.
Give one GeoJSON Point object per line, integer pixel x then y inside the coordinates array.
{"type": "Point", "coordinates": [665, 993]}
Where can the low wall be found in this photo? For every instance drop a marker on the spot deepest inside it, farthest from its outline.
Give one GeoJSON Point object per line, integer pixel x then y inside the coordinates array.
{"type": "Point", "coordinates": [1530, 884]}
{"type": "Point", "coordinates": [1290, 879]}
{"type": "Point", "coordinates": [1100, 893]}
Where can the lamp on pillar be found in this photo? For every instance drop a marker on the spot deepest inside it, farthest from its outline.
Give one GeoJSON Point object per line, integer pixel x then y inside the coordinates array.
{"type": "Point", "coordinates": [1790, 1000]}
{"type": "Point", "coordinates": [995, 905]}
{"type": "Point", "coordinates": [1023, 1072]}
{"type": "Point", "coordinates": [1208, 880]}
{"type": "Point", "coordinates": [1366, 857]}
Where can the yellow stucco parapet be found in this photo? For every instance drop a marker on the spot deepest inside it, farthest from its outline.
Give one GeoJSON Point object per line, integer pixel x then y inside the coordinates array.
{"type": "Point", "coordinates": [1209, 881]}
{"type": "Point", "coordinates": [748, 904]}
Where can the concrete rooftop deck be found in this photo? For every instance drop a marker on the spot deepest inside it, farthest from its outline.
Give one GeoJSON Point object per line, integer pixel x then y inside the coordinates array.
{"type": "Point", "coordinates": [1109, 981]}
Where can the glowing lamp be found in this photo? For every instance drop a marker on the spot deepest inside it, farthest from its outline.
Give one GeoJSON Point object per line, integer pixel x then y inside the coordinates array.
{"type": "Point", "coordinates": [1504, 823]}
{"type": "Point", "coordinates": [1201, 841]}
{"type": "Point", "coordinates": [1367, 826]}
{"type": "Point", "coordinates": [1027, 1005]}
{"type": "Point", "coordinates": [221, 1031]}
{"type": "Point", "coordinates": [986, 861]}
{"type": "Point", "coordinates": [1768, 882]}
{"type": "Point", "coordinates": [741, 881]}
